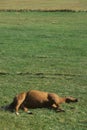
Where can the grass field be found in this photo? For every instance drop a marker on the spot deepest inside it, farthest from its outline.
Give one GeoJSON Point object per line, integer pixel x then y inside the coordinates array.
{"type": "Point", "coordinates": [44, 4]}
{"type": "Point", "coordinates": [45, 51]}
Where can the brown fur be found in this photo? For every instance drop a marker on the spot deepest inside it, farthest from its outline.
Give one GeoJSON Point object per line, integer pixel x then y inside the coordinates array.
{"type": "Point", "coordinates": [38, 99]}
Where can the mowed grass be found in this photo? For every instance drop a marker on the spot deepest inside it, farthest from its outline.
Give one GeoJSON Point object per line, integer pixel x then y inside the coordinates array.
{"type": "Point", "coordinates": [44, 4]}
{"type": "Point", "coordinates": [45, 51]}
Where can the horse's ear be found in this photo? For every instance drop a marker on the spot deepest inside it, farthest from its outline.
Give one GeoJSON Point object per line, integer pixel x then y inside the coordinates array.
{"type": "Point", "coordinates": [67, 100]}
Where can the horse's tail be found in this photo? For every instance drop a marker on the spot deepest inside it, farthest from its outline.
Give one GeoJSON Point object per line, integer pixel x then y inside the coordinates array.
{"type": "Point", "coordinates": [10, 107]}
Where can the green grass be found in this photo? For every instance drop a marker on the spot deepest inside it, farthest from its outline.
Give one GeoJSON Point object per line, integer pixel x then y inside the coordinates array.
{"type": "Point", "coordinates": [45, 51]}
{"type": "Point", "coordinates": [44, 4]}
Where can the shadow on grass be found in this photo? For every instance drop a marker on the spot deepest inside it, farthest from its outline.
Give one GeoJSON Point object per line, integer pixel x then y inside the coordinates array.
{"type": "Point", "coordinates": [41, 10]}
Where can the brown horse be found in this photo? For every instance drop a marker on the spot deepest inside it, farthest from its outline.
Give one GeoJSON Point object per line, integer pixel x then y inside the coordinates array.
{"type": "Point", "coordinates": [38, 99]}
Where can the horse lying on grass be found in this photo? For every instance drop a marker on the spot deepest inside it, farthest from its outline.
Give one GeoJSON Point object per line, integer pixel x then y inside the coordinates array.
{"type": "Point", "coordinates": [38, 99]}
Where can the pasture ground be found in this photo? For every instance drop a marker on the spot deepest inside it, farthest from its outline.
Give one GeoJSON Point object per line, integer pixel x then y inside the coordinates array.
{"type": "Point", "coordinates": [45, 51]}
{"type": "Point", "coordinates": [43, 4]}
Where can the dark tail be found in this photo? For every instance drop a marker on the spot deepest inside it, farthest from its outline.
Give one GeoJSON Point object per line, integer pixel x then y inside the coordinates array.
{"type": "Point", "coordinates": [13, 104]}
{"type": "Point", "coordinates": [10, 107]}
